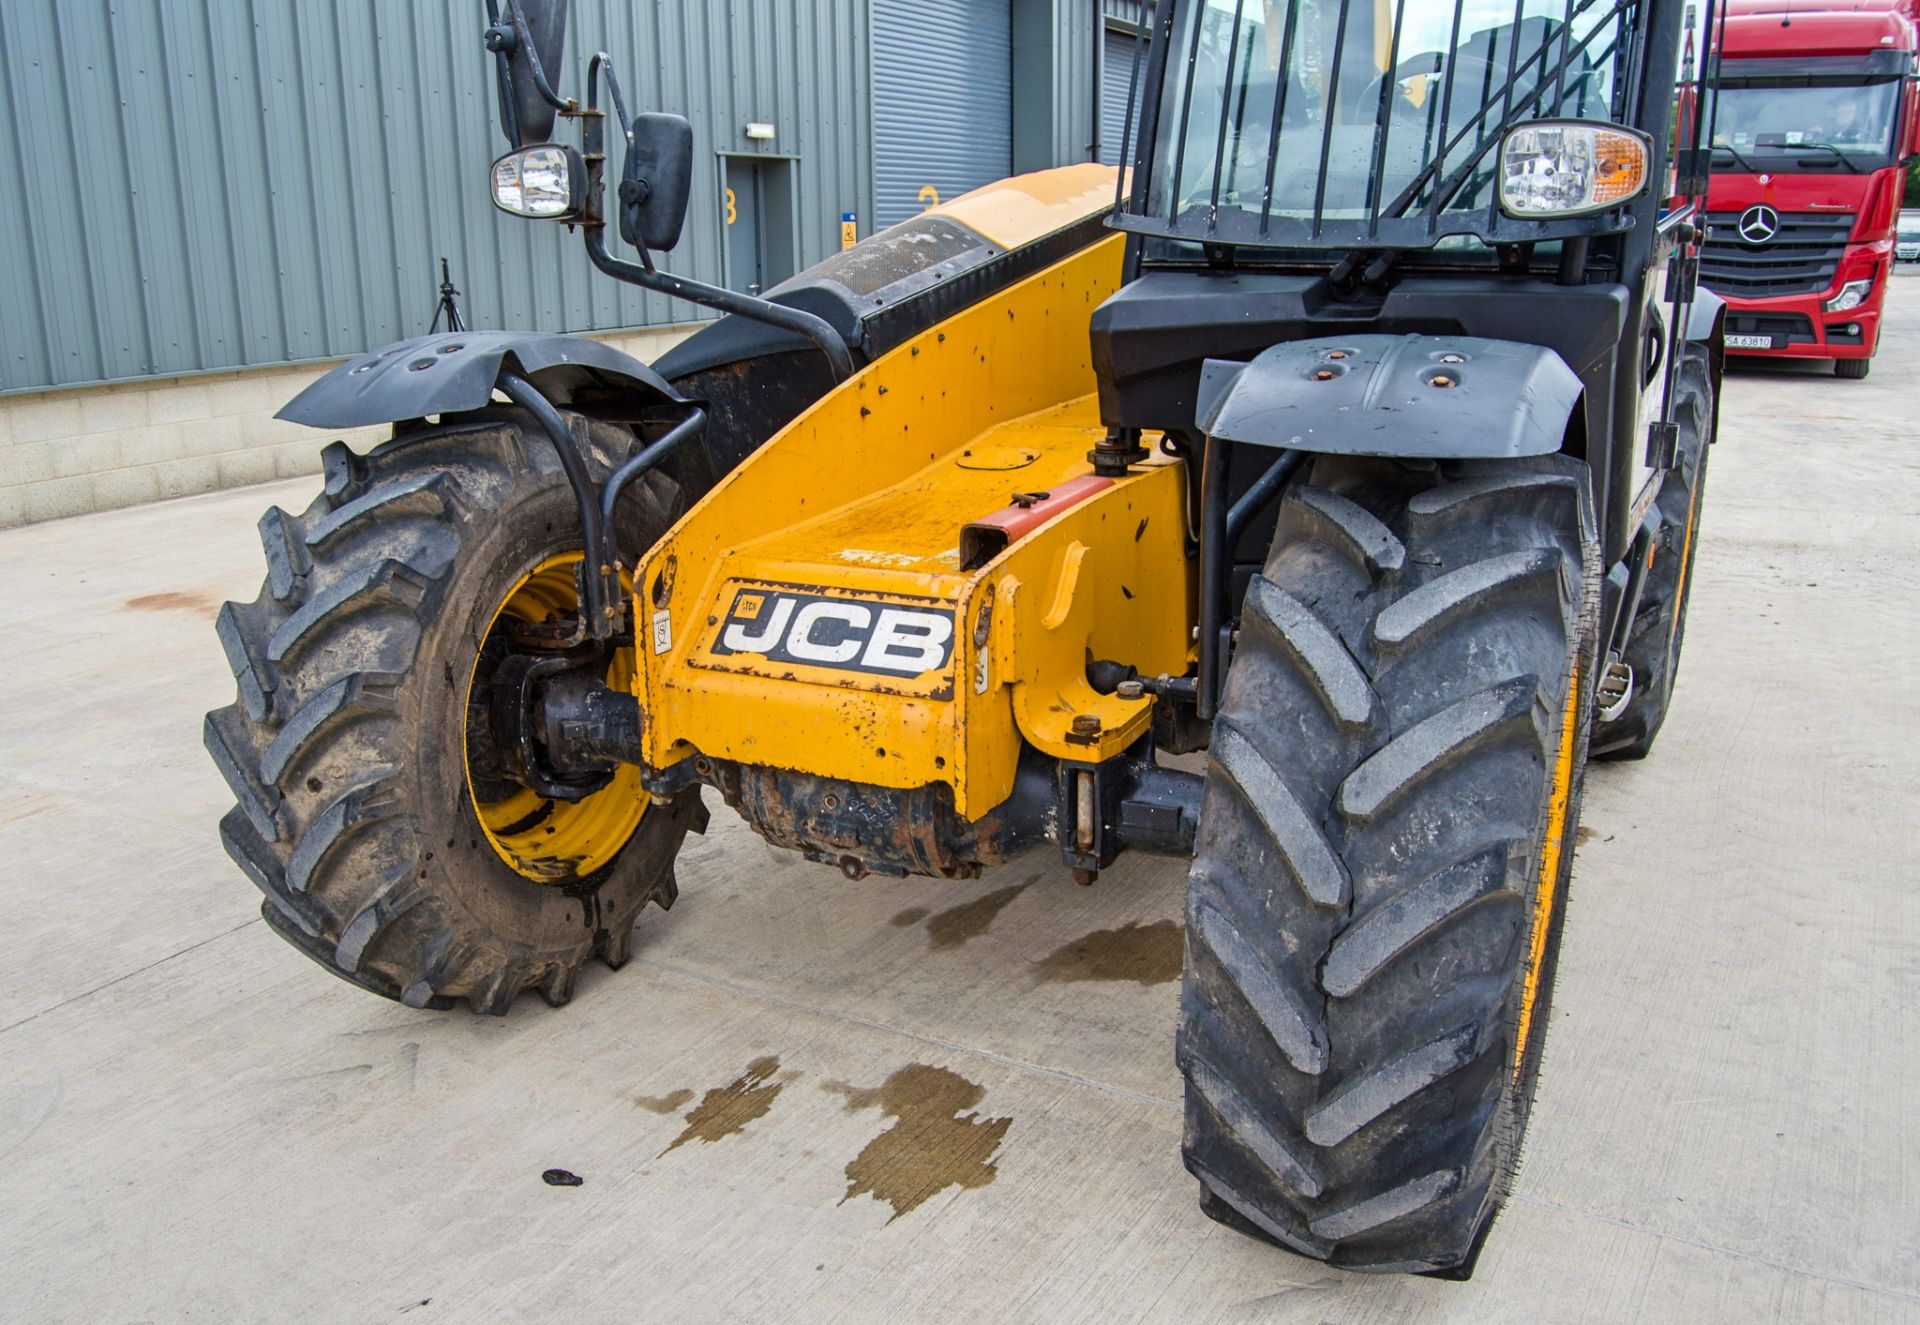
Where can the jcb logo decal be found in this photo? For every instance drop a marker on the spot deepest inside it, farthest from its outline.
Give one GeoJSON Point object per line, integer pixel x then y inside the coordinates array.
{"type": "Point", "coordinates": [836, 632]}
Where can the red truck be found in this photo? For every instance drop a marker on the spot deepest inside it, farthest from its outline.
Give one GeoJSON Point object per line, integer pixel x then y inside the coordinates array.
{"type": "Point", "coordinates": [1816, 117]}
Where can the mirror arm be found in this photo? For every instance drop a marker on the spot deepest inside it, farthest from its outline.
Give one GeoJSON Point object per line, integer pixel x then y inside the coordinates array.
{"type": "Point", "coordinates": [503, 79]}
{"type": "Point", "coordinates": [601, 58]}
{"type": "Point", "coordinates": [645, 275]}
{"type": "Point", "coordinates": [540, 83]}
{"type": "Point", "coordinates": [816, 329]}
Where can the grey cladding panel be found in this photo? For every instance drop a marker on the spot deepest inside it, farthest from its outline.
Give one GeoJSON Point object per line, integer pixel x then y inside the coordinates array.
{"type": "Point", "coordinates": [194, 185]}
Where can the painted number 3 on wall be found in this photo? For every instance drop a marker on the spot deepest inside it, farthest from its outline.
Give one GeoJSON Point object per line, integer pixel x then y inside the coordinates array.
{"type": "Point", "coordinates": [733, 207]}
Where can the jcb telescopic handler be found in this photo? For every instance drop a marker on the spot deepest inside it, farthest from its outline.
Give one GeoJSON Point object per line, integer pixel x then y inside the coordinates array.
{"type": "Point", "coordinates": [1355, 435]}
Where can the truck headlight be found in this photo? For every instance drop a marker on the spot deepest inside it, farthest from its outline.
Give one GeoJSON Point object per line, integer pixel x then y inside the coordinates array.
{"type": "Point", "coordinates": [545, 182]}
{"type": "Point", "coordinates": [1852, 295]}
{"type": "Point", "coordinates": [1556, 168]}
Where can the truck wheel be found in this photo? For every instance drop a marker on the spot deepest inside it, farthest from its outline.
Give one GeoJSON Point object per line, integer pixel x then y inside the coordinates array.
{"type": "Point", "coordinates": [1660, 627]}
{"type": "Point", "coordinates": [1383, 857]}
{"type": "Point", "coordinates": [372, 812]}
{"type": "Point", "coordinates": [1851, 368]}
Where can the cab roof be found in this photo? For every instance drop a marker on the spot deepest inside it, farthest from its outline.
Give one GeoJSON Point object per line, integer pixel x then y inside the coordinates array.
{"type": "Point", "coordinates": [1755, 28]}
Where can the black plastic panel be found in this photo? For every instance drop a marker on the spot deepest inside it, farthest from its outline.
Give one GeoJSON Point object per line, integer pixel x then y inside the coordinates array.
{"type": "Point", "coordinates": [1416, 397]}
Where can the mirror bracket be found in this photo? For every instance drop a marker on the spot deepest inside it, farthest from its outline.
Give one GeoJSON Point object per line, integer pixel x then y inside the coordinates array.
{"type": "Point", "coordinates": [523, 41]}
{"type": "Point", "coordinates": [527, 96]}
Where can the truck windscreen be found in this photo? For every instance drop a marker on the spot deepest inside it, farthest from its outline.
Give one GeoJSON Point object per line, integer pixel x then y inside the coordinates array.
{"type": "Point", "coordinates": [1801, 124]}
{"type": "Point", "coordinates": [1332, 111]}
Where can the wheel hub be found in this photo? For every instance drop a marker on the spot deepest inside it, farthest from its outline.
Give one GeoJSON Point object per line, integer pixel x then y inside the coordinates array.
{"type": "Point", "coordinates": [552, 728]}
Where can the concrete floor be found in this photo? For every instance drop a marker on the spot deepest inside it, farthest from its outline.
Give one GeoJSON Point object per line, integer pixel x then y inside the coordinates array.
{"type": "Point", "coordinates": [196, 1123]}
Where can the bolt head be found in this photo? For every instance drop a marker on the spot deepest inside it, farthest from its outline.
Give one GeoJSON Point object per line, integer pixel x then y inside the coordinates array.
{"type": "Point", "coordinates": [1131, 689]}
{"type": "Point", "coordinates": [1086, 724]}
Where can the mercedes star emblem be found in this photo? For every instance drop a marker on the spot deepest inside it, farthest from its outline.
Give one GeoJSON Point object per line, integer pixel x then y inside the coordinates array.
{"type": "Point", "coordinates": [1759, 223]}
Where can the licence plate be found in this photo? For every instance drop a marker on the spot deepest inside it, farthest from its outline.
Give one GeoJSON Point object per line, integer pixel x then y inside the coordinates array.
{"type": "Point", "coordinates": [1749, 342]}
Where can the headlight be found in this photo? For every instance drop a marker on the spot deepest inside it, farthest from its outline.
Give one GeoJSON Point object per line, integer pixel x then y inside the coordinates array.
{"type": "Point", "coordinates": [1852, 295]}
{"type": "Point", "coordinates": [544, 182]}
{"type": "Point", "coordinates": [1556, 168]}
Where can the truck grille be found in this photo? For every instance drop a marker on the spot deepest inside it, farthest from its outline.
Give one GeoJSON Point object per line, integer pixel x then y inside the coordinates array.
{"type": "Point", "coordinates": [1800, 259]}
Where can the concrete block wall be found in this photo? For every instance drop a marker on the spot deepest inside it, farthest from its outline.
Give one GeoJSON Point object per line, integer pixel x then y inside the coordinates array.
{"type": "Point", "coordinates": [99, 448]}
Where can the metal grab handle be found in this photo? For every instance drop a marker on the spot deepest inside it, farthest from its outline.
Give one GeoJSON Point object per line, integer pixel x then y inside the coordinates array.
{"type": "Point", "coordinates": [599, 612]}
{"type": "Point", "coordinates": [636, 467]}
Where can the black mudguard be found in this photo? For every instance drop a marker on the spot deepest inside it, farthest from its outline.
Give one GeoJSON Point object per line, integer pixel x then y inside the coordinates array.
{"type": "Point", "coordinates": [1707, 328]}
{"type": "Point", "coordinates": [1413, 396]}
{"type": "Point", "coordinates": [1706, 316]}
{"type": "Point", "coordinates": [456, 371]}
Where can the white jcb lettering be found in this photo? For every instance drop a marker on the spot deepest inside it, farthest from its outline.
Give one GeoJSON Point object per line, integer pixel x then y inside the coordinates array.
{"type": "Point", "coordinates": [906, 641]}
{"type": "Point", "coordinates": [740, 640]}
{"type": "Point", "coordinates": [837, 646]}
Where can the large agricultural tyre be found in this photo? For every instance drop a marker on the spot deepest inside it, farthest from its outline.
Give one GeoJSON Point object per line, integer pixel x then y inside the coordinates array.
{"type": "Point", "coordinates": [1383, 857]}
{"type": "Point", "coordinates": [1659, 628]}
{"type": "Point", "coordinates": [371, 810]}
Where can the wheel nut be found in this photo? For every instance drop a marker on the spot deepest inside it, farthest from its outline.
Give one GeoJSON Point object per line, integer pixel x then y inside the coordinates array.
{"type": "Point", "coordinates": [1442, 380]}
{"type": "Point", "coordinates": [1323, 375]}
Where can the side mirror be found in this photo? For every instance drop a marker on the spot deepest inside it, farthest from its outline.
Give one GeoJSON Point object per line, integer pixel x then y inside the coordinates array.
{"type": "Point", "coordinates": [529, 69]}
{"type": "Point", "coordinates": [657, 181]}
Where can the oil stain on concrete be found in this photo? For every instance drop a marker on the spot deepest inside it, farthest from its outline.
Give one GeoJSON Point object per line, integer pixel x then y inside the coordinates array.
{"type": "Point", "coordinates": [1144, 954]}
{"type": "Point", "coordinates": [955, 926]}
{"type": "Point", "coordinates": [728, 1109]}
{"type": "Point", "coordinates": [932, 1144]}
{"type": "Point", "coordinates": [908, 918]}
{"type": "Point", "coordinates": [664, 1104]}
{"type": "Point", "coordinates": [197, 600]}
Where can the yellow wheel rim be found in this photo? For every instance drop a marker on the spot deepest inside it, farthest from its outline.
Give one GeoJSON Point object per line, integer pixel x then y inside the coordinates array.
{"type": "Point", "coordinates": [555, 841]}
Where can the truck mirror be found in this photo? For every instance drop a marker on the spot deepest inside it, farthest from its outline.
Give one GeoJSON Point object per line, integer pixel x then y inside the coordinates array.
{"type": "Point", "coordinates": [529, 37]}
{"type": "Point", "coordinates": [657, 181]}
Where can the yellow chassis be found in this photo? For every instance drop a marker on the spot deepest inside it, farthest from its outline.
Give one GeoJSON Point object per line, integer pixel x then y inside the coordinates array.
{"type": "Point", "coordinates": [858, 506]}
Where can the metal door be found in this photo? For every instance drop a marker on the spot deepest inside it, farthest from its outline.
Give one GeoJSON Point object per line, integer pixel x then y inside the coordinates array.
{"type": "Point", "coordinates": [1116, 79]}
{"type": "Point", "coordinates": [942, 101]}
{"type": "Point", "coordinates": [743, 214]}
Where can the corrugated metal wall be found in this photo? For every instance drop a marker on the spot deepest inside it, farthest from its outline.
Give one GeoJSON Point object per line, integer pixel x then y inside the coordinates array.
{"type": "Point", "coordinates": [191, 185]}
{"type": "Point", "coordinates": [942, 117]}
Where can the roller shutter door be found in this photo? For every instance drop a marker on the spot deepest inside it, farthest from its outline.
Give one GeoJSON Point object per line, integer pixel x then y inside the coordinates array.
{"type": "Point", "coordinates": [1116, 79]}
{"type": "Point", "coordinates": [942, 100]}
